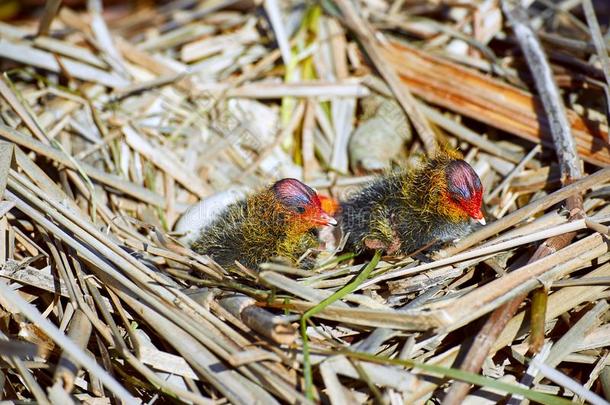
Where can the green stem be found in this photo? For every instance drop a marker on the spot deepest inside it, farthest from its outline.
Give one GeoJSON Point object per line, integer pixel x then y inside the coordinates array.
{"type": "Point", "coordinates": [347, 289]}
{"type": "Point", "coordinates": [466, 376]}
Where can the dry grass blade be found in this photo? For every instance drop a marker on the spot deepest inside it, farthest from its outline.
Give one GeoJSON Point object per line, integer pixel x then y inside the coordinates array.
{"type": "Point", "coordinates": [50, 10]}
{"type": "Point", "coordinates": [600, 47]}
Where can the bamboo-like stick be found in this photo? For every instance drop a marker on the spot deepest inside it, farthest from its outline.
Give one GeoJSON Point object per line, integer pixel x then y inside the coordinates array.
{"type": "Point", "coordinates": [79, 332]}
{"type": "Point", "coordinates": [272, 326]}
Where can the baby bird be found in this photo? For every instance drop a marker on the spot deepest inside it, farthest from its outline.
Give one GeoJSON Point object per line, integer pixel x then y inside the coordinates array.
{"type": "Point", "coordinates": [276, 222]}
{"type": "Point", "coordinates": [407, 210]}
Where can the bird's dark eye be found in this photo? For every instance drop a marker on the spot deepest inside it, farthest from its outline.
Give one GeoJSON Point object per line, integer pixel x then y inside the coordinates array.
{"type": "Point", "coordinates": [300, 210]}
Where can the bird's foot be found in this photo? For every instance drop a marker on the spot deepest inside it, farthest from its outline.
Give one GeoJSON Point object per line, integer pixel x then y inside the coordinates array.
{"type": "Point", "coordinates": [388, 248]}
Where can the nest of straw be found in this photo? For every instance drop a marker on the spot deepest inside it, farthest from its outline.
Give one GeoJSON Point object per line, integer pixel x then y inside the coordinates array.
{"type": "Point", "coordinates": [114, 121]}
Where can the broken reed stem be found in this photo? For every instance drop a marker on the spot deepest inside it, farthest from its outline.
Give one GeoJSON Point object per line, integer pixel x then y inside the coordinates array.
{"type": "Point", "coordinates": [80, 332]}
{"type": "Point", "coordinates": [569, 164]}
{"type": "Point", "coordinates": [538, 311]}
{"type": "Point", "coordinates": [50, 10]}
{"type": "Point", "coordinates": [347, 289]}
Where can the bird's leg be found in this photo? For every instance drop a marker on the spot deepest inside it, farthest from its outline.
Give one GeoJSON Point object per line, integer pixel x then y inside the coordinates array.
{"type": "Point", "coordinates": [383, 237]}
{"type": "Point", "coordinates": [383, 234]}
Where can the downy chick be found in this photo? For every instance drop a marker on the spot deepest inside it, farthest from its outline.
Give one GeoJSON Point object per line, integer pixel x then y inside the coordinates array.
{"type": "Point", "coordinates": [407, 210]}
{"type": "Point", "coordinates": [276, 222]}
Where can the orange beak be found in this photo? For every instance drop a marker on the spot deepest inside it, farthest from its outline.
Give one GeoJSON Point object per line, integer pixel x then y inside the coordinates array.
{"type": "Point", "coordinates": [480, 218]}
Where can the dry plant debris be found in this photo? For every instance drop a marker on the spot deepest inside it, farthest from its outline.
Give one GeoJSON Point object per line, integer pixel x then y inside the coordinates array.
{"type": "Point", "coordinates": [114, 121]}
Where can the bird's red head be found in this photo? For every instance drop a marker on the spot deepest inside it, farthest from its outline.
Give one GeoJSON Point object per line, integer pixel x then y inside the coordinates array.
{"type": "Point", "coordinates": [464, 189]}
{"type": "Point", "coordinates": [302, 202]}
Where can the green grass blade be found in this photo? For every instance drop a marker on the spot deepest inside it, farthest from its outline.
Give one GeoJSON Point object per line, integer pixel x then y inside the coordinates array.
{"type": "Point", "coordinates": [347, 289]}
{"type": "Point", "coordinates": [466, 376]}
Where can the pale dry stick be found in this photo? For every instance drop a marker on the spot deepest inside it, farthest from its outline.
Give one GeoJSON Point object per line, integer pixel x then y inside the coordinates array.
{"type": "Point", "coordinates": [175, 38]}
{"type": "Point", "coordinates": [544, 221]}
{"type": "Point", "coordinates": [569, 164]}
{"type": "Point", "coordinates": [297, 289]}
{"type": "Point", "coordinates": [563, 380]}
{"type": "Point", "coordinates": [595, 281]}
{"type": "Point", "coordinates": [367, 317]}
{"type": "Point", "coordinates": [22, 111]}
{"type": "Point", "coordinates": [600, 47]}
{"type": "Point", "coordinates": [528, 376]}
{"type": "Point", "coordinates": [141, 87]}
{"type": "Point", "coordinates": [50, 10]}
{"type": "Point", "coordinates": [275, 16]}
{"type": "Point", "coordinates": [111, 180]}
{"type": "Point", "coordinates": [6, 160]}
{"type": "Point", "coordinates": [46, 60]}
{"type": "Point", "coordinates": [311, 89]}
{"type": "Point", "coordinates": [507, 202]}
{"type": "Point", "coordinates": [549, 93]}
{"type": "Point", "coordinates": [122, 314]}
{"type": "Point", "coordinates": [105, 44]}
{"type": "Point", "coordinates": [66, 344]}
{"type": "Point", "coordinates": [72, 51]}
{"type": "Point", "coordinates": [186, 18]}
{"type": "Point", "coordinates": [367, 38]}
{"type": "Point", "coordinates": [79, 332]}
{"type": "Point", "coordinates": [141, 58]}
{"type": "Point", "coordinates": [514, 172]}
{"type": "Point", "coordinates": [568, 43]}
{"type": "Point", "coordinates": [307, 143]}
{"type": "Point", "coordinates": [208, 46]}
